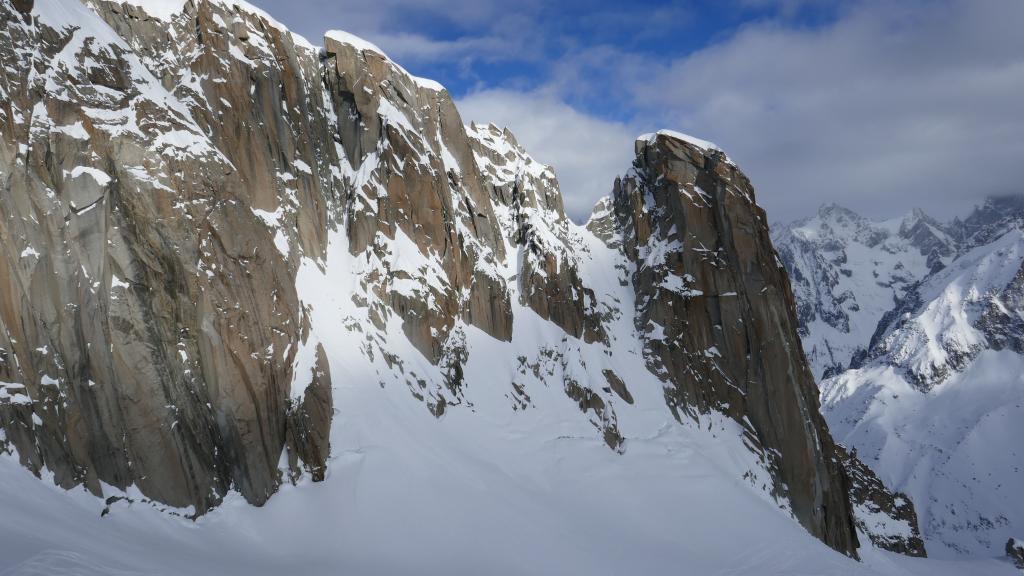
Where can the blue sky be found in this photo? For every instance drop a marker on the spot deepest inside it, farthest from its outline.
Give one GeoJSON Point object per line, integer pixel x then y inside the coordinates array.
{"type": "Point", "coordinates": [469, 46]}
{"type": "Point", "coordinates": [522, 49]}
{"type": "Point", "coordinates": [878, 105]}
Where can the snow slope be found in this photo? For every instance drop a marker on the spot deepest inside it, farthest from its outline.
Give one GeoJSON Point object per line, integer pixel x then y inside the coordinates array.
{"type": "Point", "coordinates": [939, 413]}
{"type": "Point", "coordinates": [409, 494]}
{"type": "Point", "coordinates": [954, 449]}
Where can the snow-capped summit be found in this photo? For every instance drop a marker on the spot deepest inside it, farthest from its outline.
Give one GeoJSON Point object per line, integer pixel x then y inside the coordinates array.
{"type": "Point", "coordinates": [848, 271]}
{"type": "Point", "coordinates": [990, 220]}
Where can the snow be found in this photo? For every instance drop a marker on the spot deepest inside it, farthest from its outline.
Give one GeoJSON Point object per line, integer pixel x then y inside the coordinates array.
{"type": "Point", "coordinates": [161, 9]}
{"type": "Point", "coordinates": [354, 41]}
{"type": "Point", "coordinates": [408, 494]}
{"type": "Point", "coordinates": [76, 130]}
{"type": "Point", "coordinates": [167, 10]}
{"type": "Point", "coordinates": [101, 177]}
{"type": "Point", "coordinates": [702, 144]}
{"type": "Point", "coordinates": [698, 142]}
{"type": "Point", "coordinates": [13, 394]}
{"type": "Point", "coordinates": [183, 141]}
{"type": "Point", "coordinates": [428, 84]}
{"type": "Point", "coordinates": [363, 45]}
{"type": "Point", "coordinates": [954, 297]}
{"type": "Point", "coordinates": [937, 413]}
{"type": "Point", "coordinates": [850, 272]}
{"type": "Point", "coordinates": [499, 484]}
{"type": "Point", "coordinates": [303, 369]}
{"type": "Point", "coordinates": [273, 221]}
{"type": "Point", "coordinates": [881, 524]}
{"type": "Point", "coordinates": [954, 450]}
{"type": "Point", "coordinates": [302, 167]}
{"type": "Point", "coordinates": [394, 116]}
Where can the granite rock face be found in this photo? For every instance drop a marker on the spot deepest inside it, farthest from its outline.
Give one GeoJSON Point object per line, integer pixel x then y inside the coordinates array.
{"type": "Point", "coordinates": [149, 318]}
{"type": "Point", "coordinates": [164, 177]}
{"type": "Point", "coordinates": [718, 318]}
{"type": "Point", "coordinates": [201, 213]}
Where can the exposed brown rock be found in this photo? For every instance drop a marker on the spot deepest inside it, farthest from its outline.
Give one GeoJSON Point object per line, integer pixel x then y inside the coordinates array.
{"type": "Point", "coordinates": [145, 308]}
{"type": "Point", "coordinates": [720, 322]}
{"type": "Point", "coordinates": [309, 422]}
{"type": "Point", "coordinates": [618, 385]}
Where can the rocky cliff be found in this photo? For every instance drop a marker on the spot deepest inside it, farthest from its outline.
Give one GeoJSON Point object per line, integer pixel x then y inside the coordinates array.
{"type": "Point", "coordinates": [717, 318]}
{"type": "Point", "coordinates": [206, 224]}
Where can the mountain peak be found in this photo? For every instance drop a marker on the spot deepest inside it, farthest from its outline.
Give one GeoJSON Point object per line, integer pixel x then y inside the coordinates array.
{"type": "Point", "coordinates": [354, 41]}
{"type": "Point", "coordinates": [701, 145]}
{"type": "Point", "coordinates": [834, 211]}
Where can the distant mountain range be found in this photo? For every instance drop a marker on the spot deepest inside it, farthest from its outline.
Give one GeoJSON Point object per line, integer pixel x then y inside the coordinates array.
{"type": "Point", "coordinates": [916, 328]}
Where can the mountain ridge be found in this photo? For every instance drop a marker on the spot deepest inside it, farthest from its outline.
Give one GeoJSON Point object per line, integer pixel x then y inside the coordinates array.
{"type": "Point", "coordinates": [248, 228]}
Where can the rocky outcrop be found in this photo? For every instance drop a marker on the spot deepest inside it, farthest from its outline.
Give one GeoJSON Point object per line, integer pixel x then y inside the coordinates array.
{"type": "Point", "coordinates": [1000, 321]}
{"type": "Point", "coordinates": [1015, 552]}
{"type": "Point", "coordinates": [888, 518]}
{"type": "Point", "coordinates": [989, 221]}
{"type": "Point", "coordinates": [718, 318]}
{"type": "Point", "coordinates": [529, 206]}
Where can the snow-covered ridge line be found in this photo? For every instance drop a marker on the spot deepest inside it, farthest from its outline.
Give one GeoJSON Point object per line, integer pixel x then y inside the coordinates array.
{"type": "Point", "coordinates": [699, 143]}
{"type": "Point", "coordinates": [363, 45]}
{"type": "Point", "coordinates": [167, 10]}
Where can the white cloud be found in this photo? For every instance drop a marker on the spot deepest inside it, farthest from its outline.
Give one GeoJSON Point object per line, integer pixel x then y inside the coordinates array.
{"type": "Point", "coordinates": [406, 47]}
{"type": "Point", "coordinates": [586, 152]}
{"type": "Point", "coordinates": [895, 105]}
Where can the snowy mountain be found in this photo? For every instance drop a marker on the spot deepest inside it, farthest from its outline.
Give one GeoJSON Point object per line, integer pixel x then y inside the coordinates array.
{"type": "Point", "coordinates": [847, 272]}
{"type": "Point", "coordinates": [268, 307]}
{"type": "Point", "coordinates": [919, 337]}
